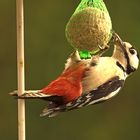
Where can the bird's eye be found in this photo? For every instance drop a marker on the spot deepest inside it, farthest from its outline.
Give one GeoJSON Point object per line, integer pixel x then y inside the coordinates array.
{"type": "Point", "coordinates": [132, 51]}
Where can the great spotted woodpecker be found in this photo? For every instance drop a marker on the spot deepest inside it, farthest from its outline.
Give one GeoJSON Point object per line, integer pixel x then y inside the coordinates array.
{"type": "Point", "coordinates": [87, 82]}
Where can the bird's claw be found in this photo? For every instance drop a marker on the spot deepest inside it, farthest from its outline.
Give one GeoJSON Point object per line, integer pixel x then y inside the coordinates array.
{"type": "Point", "coordinates": [102, 50]}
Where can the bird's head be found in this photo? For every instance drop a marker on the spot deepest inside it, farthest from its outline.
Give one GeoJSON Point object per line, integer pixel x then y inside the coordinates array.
{"type": "Point", "coordinates": [126, 54]}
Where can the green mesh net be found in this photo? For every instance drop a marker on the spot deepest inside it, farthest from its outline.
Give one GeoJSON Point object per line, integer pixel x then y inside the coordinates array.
{"type": "Point", "coordinates": [73, 34]}
{"type": "Point", "coordinates": [92, 3]}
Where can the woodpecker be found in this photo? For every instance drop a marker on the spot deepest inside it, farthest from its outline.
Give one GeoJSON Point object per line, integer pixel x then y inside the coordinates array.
{"type": "Point", "coordinates": [104, 78]}
{"type": "Point", "coordinates": [90, 81]}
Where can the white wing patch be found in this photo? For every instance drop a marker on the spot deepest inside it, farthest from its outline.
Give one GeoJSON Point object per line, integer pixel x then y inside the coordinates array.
{"type": "Point", "coordinates": [105, 98]}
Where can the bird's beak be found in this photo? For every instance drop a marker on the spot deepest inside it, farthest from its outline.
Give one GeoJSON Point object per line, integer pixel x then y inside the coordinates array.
{"type": "Point", "coordinates": [118, 41]}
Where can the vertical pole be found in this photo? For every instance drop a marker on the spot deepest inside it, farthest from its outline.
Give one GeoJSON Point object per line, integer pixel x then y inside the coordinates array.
{"type": "Point", "coordinates": [20, 69]}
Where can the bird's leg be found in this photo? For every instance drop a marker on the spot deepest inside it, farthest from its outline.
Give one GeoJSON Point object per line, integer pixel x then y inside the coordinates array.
{"type": "Point", "coordinates": [103, 50]}
{"type": "Point", "coordinates": [75, 56]}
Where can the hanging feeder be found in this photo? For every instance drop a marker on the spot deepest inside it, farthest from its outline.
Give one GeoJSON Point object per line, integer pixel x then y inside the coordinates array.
{"type": "Point", "coordinates": [89, 28]}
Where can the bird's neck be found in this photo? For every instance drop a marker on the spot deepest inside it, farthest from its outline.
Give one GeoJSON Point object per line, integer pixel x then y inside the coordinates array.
{"type": "Point", "coordinates": [120, 57]}
{"type": "Point", "coordinates": [99, 4]}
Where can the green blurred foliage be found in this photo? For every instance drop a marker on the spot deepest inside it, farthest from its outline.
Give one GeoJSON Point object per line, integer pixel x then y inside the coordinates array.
{"type": "Point", "coordinates": [46, 50]}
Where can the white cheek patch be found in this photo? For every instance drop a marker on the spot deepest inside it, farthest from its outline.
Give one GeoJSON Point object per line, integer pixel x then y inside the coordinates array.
{"type": "Point", "coordinates": [133, 58]}
{"type": "Point", "coordinates": [134, 61]}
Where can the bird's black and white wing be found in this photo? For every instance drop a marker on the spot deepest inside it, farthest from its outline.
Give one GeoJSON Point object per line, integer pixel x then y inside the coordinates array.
{"type": "Point", "coordinates": [101, 94]}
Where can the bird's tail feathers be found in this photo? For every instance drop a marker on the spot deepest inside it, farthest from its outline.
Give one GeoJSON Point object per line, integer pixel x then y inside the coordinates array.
{"type": "Point", "coordinates": [30, 94]}
{"type": "Point", "coordinates": [49, 112]}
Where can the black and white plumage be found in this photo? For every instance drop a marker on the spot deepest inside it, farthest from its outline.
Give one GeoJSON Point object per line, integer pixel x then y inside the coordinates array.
{"type": "Point", "coordinates": [101, 94]}
{"type": "Point", "coordinates": [104, 79]}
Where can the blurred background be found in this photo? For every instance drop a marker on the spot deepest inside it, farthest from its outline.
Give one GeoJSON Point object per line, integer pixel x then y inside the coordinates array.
{"type": "Point", "coordinates": [46, 50]}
